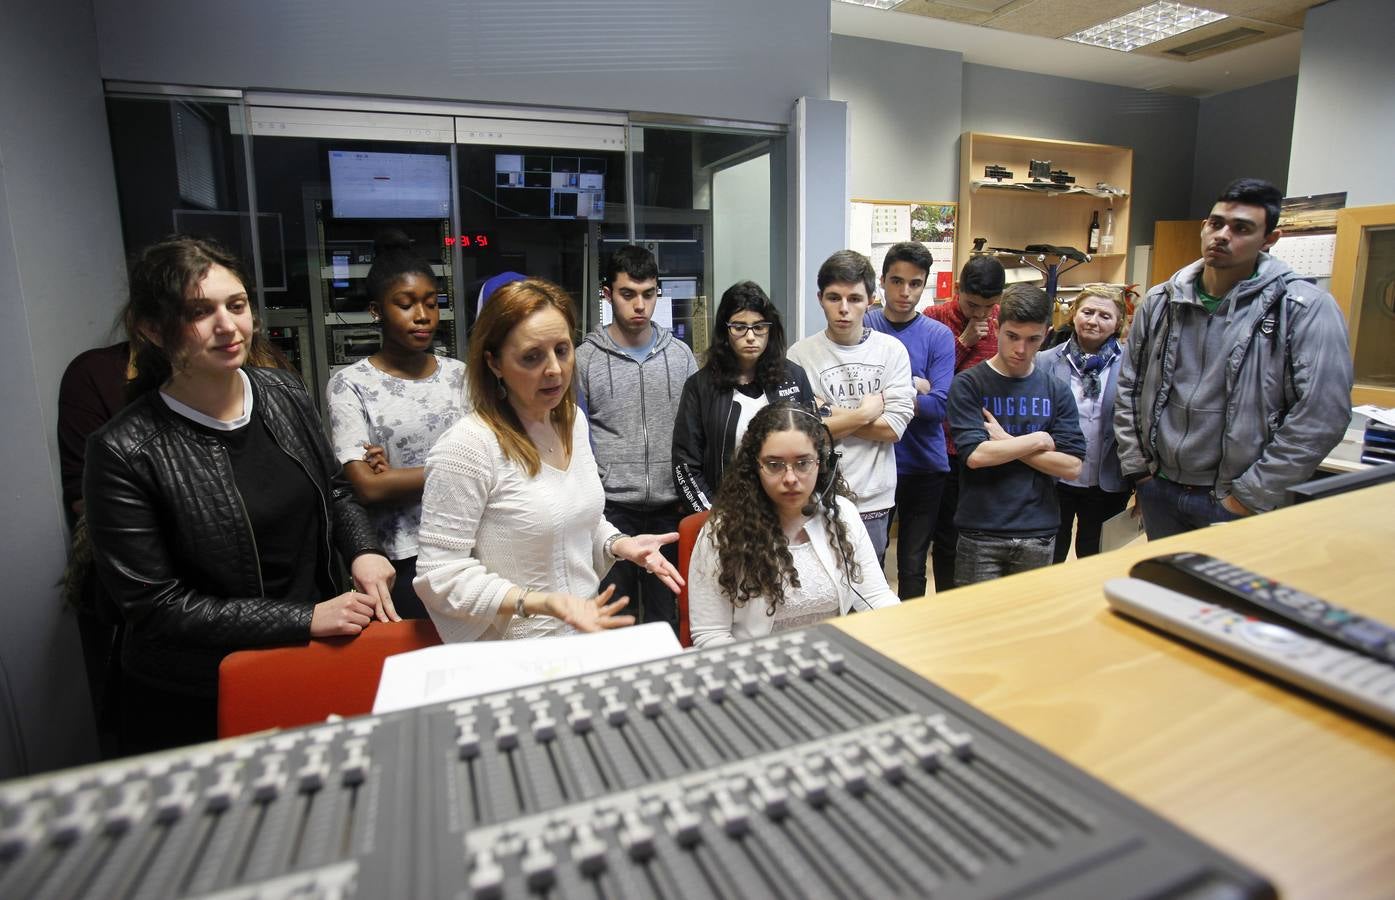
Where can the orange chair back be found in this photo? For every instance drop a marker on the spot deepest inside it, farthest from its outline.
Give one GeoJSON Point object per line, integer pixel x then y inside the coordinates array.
{"type": "Point", "coordinates": [688, 530]}
{"type": "Point", "coordinates": [285, 687]}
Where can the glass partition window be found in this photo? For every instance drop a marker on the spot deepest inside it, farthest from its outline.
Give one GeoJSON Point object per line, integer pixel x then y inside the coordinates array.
{"type": "Point", "coordinates": [531, 210]}
{"type": "Point", "coordinates": [477, 196]}
{"type": "Point", "coordinates": [180, 168]}
{"type": "Point", "coordinates": [338, 193]}
{"type": "Point", "coordinates": [709, 207]}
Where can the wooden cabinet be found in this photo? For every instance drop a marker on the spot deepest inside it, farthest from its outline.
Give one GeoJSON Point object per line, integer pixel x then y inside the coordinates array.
{"type": "Point", "coordinates": [1176, 243]}
{"type": "Point", "coordinates": [1363, 281]}
{"type": "Point", "coordinates": [1015, 213]}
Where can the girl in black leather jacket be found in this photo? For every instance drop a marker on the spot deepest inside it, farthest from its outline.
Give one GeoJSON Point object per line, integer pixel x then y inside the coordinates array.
{"type": "Point", "coordinates": [214, 502]}
{"type": "Point", "coordinates": [745, 371]}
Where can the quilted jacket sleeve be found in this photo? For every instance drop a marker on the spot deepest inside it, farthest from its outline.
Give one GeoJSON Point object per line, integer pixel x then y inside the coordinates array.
{"type": "Point", "coordinates": [133, 560]}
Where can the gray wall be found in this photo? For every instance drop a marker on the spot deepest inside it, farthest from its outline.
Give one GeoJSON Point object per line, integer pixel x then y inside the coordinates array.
{"type": "Point", "coordinates": [1242, 133]}
{"type": "Point", "coordinates": [60, 268]}
{"type": "Point", "coordinates": [904, 104]}
{"type": "Point", "coordinates": [1344, 117]}
{"type": "Point", "coordinates": [819, 152]}
{"type": "Point", "coordinates": [726, 58]}
{"type": "Point", "coordinates": [1160, 128]}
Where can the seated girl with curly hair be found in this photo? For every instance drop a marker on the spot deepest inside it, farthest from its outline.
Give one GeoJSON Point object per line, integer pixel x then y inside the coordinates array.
{"type": "Point", "coordinates": [784, 546]}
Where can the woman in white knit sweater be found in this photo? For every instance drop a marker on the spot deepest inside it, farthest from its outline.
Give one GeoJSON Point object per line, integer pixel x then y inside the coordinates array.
{"type": "Point", "coordinates": [513, 538]}
{"type": "Point", "coordinates": [784, 546]}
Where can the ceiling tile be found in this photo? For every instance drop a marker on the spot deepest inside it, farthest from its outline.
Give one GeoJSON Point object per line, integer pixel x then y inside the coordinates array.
{"type": "Point", "coordinates": [1056, 18]}
{"type": "Point", "coordinates": [1278, 12]}
{"type": "Point", "coordinates": [933, 10]}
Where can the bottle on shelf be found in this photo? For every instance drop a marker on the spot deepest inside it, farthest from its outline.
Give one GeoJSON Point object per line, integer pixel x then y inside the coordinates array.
{"type": "Point", "coordinates": [1107, 232]}
{"type": "Point", "coordinates": [1093, 244]}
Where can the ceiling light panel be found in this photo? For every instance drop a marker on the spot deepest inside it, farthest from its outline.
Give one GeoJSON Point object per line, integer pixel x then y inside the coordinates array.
{"type": "Point", "coordinates": [1152, 23]}
{"type": "Point", "coordinates": [875, 4]}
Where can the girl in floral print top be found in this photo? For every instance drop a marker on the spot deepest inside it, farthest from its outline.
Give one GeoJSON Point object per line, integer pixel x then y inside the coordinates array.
{"type": "Point", "coordinates": [386, 411]}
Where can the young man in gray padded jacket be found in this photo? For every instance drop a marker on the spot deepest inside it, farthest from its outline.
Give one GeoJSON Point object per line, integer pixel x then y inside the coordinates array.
{"type": "Point", "coordinates": [631, 374]}
{"type": "Point", "coordinates": [1236, 379]}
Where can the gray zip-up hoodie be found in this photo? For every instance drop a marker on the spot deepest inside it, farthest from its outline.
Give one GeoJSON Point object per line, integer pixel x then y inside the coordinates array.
{"type": "Point", "coordinates": [1248, 399]}
{"type": "Point", "coordinates": [631, 406]}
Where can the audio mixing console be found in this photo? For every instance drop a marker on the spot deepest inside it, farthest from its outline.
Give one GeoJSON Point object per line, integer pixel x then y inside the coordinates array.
{"type": "Point", "coordinates": [800, 765]}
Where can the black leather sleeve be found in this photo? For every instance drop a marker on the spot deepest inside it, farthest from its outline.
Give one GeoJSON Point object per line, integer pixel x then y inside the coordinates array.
{"type": "Point", "coordinates": [132, 553]}
{"type": "Point", "coordinates": [689, 448]}
{"type": "Point", "coordinates": [801, 378]}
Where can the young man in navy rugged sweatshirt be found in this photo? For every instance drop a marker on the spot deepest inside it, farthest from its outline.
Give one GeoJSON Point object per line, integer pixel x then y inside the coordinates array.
{"type": "Point", "coordinates": [1017, 431]}
{"type": "Point", "coordinates": [922, 464]}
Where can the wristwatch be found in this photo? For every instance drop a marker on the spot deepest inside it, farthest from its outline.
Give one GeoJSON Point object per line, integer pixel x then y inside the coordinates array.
{"type": "Point", "coordinates": [609, 546]}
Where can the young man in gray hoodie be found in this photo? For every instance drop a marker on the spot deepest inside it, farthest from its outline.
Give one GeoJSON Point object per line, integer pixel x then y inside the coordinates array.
{"type": "Point", "coordinates": [630, 374]}
{"type": "Point", "coordinates": [1236, 379]}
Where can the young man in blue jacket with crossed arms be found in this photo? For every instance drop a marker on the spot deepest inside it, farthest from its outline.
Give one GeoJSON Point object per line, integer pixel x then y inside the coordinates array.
{"type": "Point", "coordinates": [922, 465]}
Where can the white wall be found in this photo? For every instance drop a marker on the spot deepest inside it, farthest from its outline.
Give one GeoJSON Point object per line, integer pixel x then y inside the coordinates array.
{"type": "Point", "coordinates": [60, 275]}
{"type": "Point", "coordinates": [1344, 117]}
{"type": "Point", "coordinates": [731, 59]}
{"type": "Point", "coordinates": [741, 226]}
{"type": "Point", "coordinates": [904, 103]}
{"type": "Point", "coordinates": [1244, 133]}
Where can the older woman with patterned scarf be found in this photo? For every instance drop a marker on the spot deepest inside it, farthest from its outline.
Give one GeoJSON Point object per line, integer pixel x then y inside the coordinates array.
{"type": "Point", "coordinates": [1089, 363]}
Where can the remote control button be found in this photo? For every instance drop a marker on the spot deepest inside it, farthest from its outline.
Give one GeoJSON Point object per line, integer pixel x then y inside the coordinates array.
{"type": "Point", "coordinates": [1274, 637]}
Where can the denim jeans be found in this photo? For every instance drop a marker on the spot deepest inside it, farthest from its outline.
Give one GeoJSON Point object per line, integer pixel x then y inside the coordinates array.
{"type": "Point", "coordinates": [878, 523]}
{"type": "Point", "coordinates": [1170, 508]}
{"type": "Point", "coordinates": [917, 505]}
{"type": "Point", "coordinates": [981, 556]}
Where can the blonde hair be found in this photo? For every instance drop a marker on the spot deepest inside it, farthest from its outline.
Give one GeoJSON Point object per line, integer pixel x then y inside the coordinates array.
{"type": "Point", "coordinates": [1102, 292]}
{"type": "Point", "coordinates": [507, 307]}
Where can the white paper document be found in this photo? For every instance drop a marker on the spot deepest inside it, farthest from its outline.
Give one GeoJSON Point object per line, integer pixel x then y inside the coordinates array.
{"type": "Point", "coordinates": [1118, 530]}
{"type": "Point", "coordinates": [1383, 415]}
{"type": "Point", "coordinates": [455, 671]}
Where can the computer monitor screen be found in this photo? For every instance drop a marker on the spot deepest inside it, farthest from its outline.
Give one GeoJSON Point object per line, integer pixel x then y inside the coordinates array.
{"type": "Point", "coordinates": [365, 185]}
{"type": "Point", "coordinates": [542, 186]}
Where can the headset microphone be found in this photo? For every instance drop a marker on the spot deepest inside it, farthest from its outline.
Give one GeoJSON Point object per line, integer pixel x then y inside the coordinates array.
{"type": "Point", "coordinates": [810, 507]}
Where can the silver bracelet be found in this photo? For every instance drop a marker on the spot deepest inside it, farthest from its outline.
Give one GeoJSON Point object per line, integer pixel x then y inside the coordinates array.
{"type": "Point", "coordinates": [519, 610]}
{"type": "Point", "coordinates": [609, 546]}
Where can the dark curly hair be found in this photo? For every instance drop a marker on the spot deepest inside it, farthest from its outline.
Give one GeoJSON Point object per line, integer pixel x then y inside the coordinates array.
{"type": "Point", "coordinates": [721, 359]}
{"type": "Point", "coordinates": [753, 553]}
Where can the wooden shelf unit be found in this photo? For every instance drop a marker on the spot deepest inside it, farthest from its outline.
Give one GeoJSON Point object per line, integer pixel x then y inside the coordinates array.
{"type": "Point", "coordinates": [1015, 218]}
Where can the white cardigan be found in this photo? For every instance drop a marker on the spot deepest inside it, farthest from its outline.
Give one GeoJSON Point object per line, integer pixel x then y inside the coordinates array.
{"type": "Point", "coordinates": [487, 526]}
{"type": "Point", "coordinates": [714, 620]}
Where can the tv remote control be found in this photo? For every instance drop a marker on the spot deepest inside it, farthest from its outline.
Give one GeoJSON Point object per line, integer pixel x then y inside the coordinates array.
{"type": "Point", "coordinates": [1341, 675]}
{"type": "Point", "coordinates": [1206, 577]}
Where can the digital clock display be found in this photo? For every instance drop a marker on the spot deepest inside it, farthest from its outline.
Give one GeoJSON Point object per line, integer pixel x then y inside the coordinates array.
{"type": "Point", "coordinates": [471, 241]}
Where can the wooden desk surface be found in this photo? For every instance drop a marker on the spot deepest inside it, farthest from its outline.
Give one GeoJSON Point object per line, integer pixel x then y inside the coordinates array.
{"type": "Point", "coordinates": [1299, 791]}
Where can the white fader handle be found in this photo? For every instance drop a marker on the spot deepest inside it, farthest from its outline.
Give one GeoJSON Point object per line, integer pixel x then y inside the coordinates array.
{"type": "Point", "coordinates": [1342, 676]}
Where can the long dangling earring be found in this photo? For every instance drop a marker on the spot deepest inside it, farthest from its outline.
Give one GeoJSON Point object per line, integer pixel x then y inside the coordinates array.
{"type": "Point", "coordinates": [500, 390]}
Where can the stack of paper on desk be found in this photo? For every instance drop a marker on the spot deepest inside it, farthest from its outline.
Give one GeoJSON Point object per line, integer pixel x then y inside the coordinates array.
{"type": "Point", "coordinates": [454, 671]}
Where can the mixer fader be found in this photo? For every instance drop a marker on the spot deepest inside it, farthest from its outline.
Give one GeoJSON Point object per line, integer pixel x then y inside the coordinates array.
{"type": "Point", "coordinates": [800, 765]}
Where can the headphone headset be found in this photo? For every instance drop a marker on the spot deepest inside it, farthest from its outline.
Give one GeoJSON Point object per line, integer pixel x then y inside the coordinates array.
{"type": "Point", "coordinates": [828, 462]}
{"type": "Point", "coordinates": [828, 476]}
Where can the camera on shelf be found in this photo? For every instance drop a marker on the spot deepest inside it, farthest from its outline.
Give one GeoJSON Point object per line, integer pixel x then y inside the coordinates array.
{"type": "Point", "coordinates": [997, 173]}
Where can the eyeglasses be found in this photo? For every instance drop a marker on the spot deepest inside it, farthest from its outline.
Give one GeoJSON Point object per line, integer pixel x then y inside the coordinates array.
{"type": "Point", "coordinates": [739, 329]}
{"type": "Point", "coordinates": [777, 467]}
